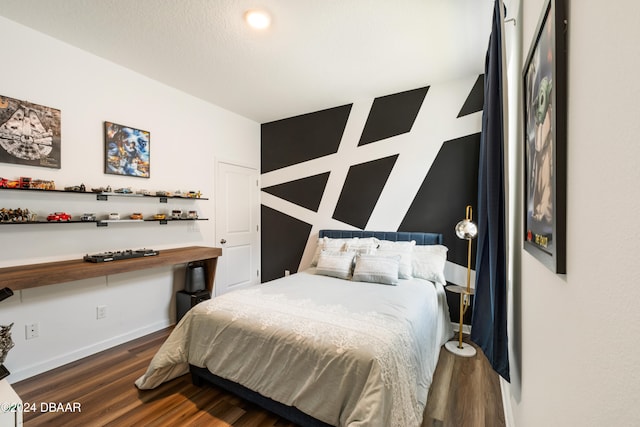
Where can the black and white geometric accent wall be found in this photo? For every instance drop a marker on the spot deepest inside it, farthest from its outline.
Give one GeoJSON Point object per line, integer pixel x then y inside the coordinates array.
{"type": "Point", "coordinates": [401, 162]}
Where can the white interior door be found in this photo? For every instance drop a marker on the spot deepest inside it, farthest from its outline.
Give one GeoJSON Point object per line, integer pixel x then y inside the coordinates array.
{"type": "Point", "coordinates": [237, 231]}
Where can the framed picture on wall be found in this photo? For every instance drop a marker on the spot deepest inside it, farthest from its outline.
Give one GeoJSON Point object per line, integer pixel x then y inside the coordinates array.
{"type": "Point", "coordinates": [29, 133]}
{"type": "Point", "coordinates": [126, 151]}
{"type": "Point", "coordinates": [545, 129]}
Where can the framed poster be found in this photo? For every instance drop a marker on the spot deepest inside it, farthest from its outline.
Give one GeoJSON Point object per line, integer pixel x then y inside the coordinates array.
{"type": "Point", "coordinates": [127, 151]}
{"type": "Point", "coordinates": [545, 128]}
{"type": "Point", "coordinates": [29, 133]}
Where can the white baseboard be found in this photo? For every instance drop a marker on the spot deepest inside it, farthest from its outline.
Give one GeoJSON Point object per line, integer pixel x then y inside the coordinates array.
{"type": "Point", "coordinates": [63, 359]}
{"type": "Point", "coordinates": [506, 402]}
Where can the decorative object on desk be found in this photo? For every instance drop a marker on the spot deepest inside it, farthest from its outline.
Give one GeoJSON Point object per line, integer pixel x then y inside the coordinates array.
{"type": "Point", "coordinates": [545, 146]}
{"type": "Point", "coordinates": [6, 344]}
{"type": "Point", "coordinates": [466, 230]}
{"type": "Point", "coordinates": [29, 133]}
{"type": "Point", "coordinates": [127, 151]}
{"type": "Point", "coordinates": [119, 255]}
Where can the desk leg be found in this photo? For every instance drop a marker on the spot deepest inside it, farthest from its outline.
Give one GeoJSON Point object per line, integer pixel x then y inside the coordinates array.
{"type": "Point", "coordinates": [211, 265]}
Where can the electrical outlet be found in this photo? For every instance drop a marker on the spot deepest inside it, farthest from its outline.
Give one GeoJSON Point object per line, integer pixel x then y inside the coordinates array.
{"type": "Point", "coordinates": [101, 312]}
{"type": "Point", "coordinates": [32, 330]}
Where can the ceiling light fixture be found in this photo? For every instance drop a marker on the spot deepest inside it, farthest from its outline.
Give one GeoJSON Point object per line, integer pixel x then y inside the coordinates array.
{"type": "Point", "coordinates": [257, 19]}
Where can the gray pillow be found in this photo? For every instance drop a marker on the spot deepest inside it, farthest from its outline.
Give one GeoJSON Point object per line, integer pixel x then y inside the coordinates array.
{"type": "Point", "coordinates": [335, 264]}
{"type": "Point", "coordinates": [376, 269]}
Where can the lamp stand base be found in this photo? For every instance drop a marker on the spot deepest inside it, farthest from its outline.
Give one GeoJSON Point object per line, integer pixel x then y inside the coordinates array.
{"type": "Point", "coordinates": [466, 350]}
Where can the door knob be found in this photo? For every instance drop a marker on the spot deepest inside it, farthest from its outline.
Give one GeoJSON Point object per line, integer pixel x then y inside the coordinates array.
{"type": "Point", "coordinates": [223, 241]}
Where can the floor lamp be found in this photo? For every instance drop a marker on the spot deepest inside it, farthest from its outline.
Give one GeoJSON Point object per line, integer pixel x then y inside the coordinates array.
{"type": "Point", "coordinates": [468, 231]}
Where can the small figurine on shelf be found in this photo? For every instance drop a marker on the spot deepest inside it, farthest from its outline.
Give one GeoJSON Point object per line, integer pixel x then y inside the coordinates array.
{"type": "Point", "coordinates": [136, 215]}
{"type": "Point", "coordinates": [192, 215]}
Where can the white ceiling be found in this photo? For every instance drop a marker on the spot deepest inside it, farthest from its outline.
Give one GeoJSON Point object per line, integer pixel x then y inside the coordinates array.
{"type": "Point", "coordinates": [317, 54]}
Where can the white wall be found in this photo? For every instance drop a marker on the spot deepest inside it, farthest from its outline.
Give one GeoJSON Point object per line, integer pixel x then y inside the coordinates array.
{"type": "Point", "coordinates": [574, 341]}
{"type": "Point", "coordinates": [187, 135]}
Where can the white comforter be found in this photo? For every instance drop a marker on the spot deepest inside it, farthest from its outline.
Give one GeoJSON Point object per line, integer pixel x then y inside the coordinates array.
{"type": "Point", "coordinates": [347, 353]}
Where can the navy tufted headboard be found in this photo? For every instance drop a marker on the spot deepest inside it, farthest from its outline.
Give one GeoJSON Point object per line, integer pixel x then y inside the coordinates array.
{"type": "Point", "coordinates": [395, 236]}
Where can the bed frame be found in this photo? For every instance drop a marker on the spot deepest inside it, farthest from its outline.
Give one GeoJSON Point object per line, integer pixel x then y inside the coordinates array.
{"type": "Point", "coordinates": [200, 376]}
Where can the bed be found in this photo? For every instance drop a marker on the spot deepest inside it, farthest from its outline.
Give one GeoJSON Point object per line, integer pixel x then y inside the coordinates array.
{"type": "Point", "coordinates": [347, 342]}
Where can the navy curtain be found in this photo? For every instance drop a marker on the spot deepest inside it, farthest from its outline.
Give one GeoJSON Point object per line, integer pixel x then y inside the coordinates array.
{"type": "Point", "coordinates": [489, 321]}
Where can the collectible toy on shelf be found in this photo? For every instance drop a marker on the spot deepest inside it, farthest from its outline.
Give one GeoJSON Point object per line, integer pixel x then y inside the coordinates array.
{"type": "Point", "coordinates": [59, 216]}
{"type": "Point", "coordinates": [88, 217]}
{"type": "Point", "coordinates": [17, 215]}
{"type": "Point", "coordinates": [25, 182]}
{"type": "Point", "coordinates": [114, 216]}
{"type": "Point", "coordinates": [79, 188]}
{"type": "Point", "coordinates": [41, 184]}
{"type": "Point", "coordinates": [106, 189]}
{"type": "Point", "coordinates": [160, 216]}
{"type": "Point", "coordinates": [5, 183]}
{"type": "Point", "coordinates": [136, 215]}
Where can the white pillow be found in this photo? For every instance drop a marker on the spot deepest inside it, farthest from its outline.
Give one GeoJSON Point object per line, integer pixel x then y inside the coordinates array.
{"type": "Point", "coordinates": [335, 264]}
{"type": "Point", "coordinates": [376, 269]}
{"type": "Point", "coordinates": [429, 261]}
{"type": "Point", "coordinates": [329, 244]}
{"type": "Point", "coordinates": [365, 245]}
{"type": "Point", "coordinates": [404, 249]}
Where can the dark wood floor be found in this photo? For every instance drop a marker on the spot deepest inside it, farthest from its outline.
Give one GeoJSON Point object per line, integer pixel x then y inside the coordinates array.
{"type": "Point", "coordinates": [465, 392]}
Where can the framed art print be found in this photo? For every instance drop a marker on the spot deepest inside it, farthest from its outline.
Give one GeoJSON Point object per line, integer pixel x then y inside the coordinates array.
{"type": "Point", "coordinates": [29, 133]}
{"type": "Point", "coordinates": [545, 124]}
{"type": "Point", "coordinates": [127, 151]}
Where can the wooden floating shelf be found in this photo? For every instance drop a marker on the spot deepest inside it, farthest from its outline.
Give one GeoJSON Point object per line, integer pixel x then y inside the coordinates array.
{"type": "Point", "coordinates": [49, 273]}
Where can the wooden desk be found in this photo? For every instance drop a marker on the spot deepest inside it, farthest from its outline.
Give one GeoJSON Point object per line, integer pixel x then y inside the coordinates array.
{"type": "Point", "coordinates": [49, 273]}
{"type": "Point", "coordinates": [10, 406]}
